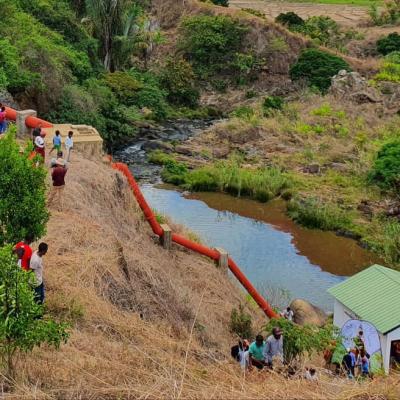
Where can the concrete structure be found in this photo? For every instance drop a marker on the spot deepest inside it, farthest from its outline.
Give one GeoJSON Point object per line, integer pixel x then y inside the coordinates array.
{"type": "Point", "coordinates": [86, 139]}
{"type": "Point", "coordinates": [166, 237]}
{"type": "Point", "coordinates": [223, 261]}
{"type": "Point", "coordinates": [373, 296]}
{"type": "Point", "coordinates": [22, 129]}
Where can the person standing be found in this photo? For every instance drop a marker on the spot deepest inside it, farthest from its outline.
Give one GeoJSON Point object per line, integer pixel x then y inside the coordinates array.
{"type": "Point", "coordinates": [3, 122]}
{"type": "Point", "coordinates": [40, 145]}
{"type": "Point", "coordinates": [69, 144]}
{"type": "Point", "coordinates": [349, 362]}
{"type": "Point", "coordinates": [274, 347]}
{"type": "Point", "coordinates": [56, 142]}
{"type": "Point", "coordinates": [256, 352]}
{"type": "Point", "coordinates": [57, 190]}
{"type": "Point", "coordinates": [288, 314]}
{"type": "Point", "coordinates": [24, 251]}
{"type": "Point", "coordinates": [36, 266]}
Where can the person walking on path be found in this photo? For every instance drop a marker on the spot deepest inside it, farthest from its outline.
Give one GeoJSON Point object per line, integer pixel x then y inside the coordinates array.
{"type": "Point", "coordinates": [37, 267]}
{"type": "Point", "coordinates": [69, 144]}
{"type": "Point", "coordinates": [57, 190]}
{"type": "Point", "coordinates": [40, 145]}
{"type": "Point", "coordinates": [256, 352]}
{"type": "Point", "coordinates": [56, 142]}
{"type": "Point", "coordinates": [274, 347]}
{"type": "Point", "coordinates": [24, 251]}
{"type": "Point", "coordinates": [3, 121]}
{"type": "Point", "coordinates": [288, 314]}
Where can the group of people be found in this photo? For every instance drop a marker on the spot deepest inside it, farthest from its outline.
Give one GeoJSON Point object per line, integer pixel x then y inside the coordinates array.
{"type": "Point", "coordinates": [357, 358]}
{"type": "Point", "coordinates": [38, 135]}
{"type": "Point", "coordinates": [260, 353]}
{"type": "Point", "coordinates": [59, 165]}
{"type": "Point", "coordinates": [30, 260]}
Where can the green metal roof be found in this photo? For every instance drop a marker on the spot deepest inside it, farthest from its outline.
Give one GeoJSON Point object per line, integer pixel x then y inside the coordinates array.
{"type": "Point", "coordinates": [373, 295]}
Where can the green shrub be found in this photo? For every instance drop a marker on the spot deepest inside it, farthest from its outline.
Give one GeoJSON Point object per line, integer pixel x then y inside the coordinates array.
{"type": "Point", "coordinates": [390, 244]}
{"type": "Point", "coordinates": [388, 43]}
{"type": "Point", "coordinates": [299, 341]}
{"type": "Point", "coordinates": [317, 68]}
{"type": "Point", "coordinates": [22, 192]}
{"type": "Point", "coordinates": [22, 325]}
{"type": "Point", "coordinates": [174, 172]}
{"type": "Point", "coordinates": [223, 3]}
{"type": "Point", "coordinates": [241, 323]}
{"type": "Point", "coordinates": [386, 169]}
{"type": "Point", "coordinates": [123, 85]}
{"type": "Point", "coordinates": [178, 79]}
{"type": "Point", "coordinates": [211, 42]}
{"type": "Point", "coordinates": [323, 30]}
{"type": "Point", "coordinates": [272, 103]}
{"type": "Point", "coordinates": [243, 112]}
{"type": "Point", "coordinates": [290, 19]}
{"type": "Point", "coordinates": [390, 69]}
{"type": "Point", "coordinates": [252, 11]}
{"type": "Point", "coordinates": [159, 157]}
{"type": "Point", "coordinates": [314, 214]}
{"type": "Point", "coordinates": [388, 14]}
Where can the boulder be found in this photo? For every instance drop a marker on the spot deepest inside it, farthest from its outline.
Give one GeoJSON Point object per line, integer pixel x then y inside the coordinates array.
{"type": "Point", "coordinates": [312, 169]}
{"type": "Point", "coordinates": [352, 86]}
{"type": "Point", "coordinates": [307, 313]}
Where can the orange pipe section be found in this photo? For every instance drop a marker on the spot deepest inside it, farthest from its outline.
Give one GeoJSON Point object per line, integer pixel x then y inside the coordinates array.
{"type": "Point", "coordinates": [30, 122]}
{"type": "Point", "coordinates": [198, 248]}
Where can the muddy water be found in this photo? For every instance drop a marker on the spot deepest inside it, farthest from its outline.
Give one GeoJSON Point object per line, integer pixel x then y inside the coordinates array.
{"type": "Point", "coordinates": [269, 247]}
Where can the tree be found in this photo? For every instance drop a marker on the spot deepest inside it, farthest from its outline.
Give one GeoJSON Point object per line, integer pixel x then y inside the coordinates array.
{"type": "Point", "coordinates": [120, 27]}
{"type": "Point", "coordinates": [317, 68]}
{"type": "Point", "coordinates": [22, 325]}
{"type": "Point", "coordinates": [388, 44]}
{"type": "Point", "coordinates": [22, 194]}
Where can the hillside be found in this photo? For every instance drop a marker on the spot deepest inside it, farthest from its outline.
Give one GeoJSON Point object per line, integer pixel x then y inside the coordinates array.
{"type": "Point", "coordinates": [142, 324]}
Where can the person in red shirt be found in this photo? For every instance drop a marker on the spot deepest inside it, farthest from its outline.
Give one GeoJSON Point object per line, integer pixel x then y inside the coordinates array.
{"type": "Point", "coordinates": [57, 190]}
{"type": "Point", "coordinates": [24, 252]}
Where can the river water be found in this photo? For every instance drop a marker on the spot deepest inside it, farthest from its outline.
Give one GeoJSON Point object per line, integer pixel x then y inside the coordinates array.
{"type": "Point", "coordinates": [272, 251]}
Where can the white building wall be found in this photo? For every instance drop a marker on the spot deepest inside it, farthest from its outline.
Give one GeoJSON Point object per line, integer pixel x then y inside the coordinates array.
{"type": "Point", "coordinates": [341, 314]}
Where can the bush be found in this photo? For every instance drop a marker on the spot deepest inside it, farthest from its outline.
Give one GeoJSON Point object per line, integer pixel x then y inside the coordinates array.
{"type": "Point", "coordinates": [388, 43]}
{"type": "Point", "coordinates": [223, 3]}
{"type": "Point", "coordinates": [123, 85]}
{"type": "Point", "coordinates": [272, 103]}
{"type": "Point", "coordinates": [317, 215]}
{"type": "Point", "coordinates": [301, 340]}
{"type": "Point", "coordinates": [241, 323]}
{"type": "Point", "coordinates": [174, 172]}
{"type": "Point", "coordinates": [178, 78]}
{"type": "Point", "coordinates": [389, 14]}
{"type": "Point", "coordinates": [390, 70]}
{"type": "Point", "coordinates": [22, 326]}
{"type": "Point", "coordinates": [22, 193]}
{"type": "Point", "coordinates": [211, 42]}
{"type": "Point", "coordinates": [317, 68]}
{"type": "Point", "coordinates": [289, 19]}
{"type": "Point", "coordinates": [323, 30]}
{"type": "Point", "coordinates": [386, 169]}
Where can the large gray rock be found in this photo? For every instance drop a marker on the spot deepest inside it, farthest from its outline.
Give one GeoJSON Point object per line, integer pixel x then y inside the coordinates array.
{"type": "Point", "coordinates": [7, 99]}
{"type": "Point", "coordinates": [307, 313]}
{"type": "Point", "coordinates": [352, 86]}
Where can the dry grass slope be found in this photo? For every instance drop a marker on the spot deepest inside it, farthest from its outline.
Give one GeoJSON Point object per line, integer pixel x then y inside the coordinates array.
{"type": "Point", "coordinates": [103, 270]}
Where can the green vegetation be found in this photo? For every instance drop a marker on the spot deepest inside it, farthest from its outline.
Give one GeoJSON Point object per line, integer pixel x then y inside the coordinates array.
{"type": "Point", "coordinates": [22, 193]}
{"type": "Point", "coordinates": [386, 169]}
{"type": "Point", "coordinates": [390, 69]}
{"type": "Point", "coordinates": [272, 103]}
{"type": "Point", "coordinates": [313, 213]}
{"type": "Point", "coordinates": [22, 325]}
{"type": "Point", "coordinates": [302, 340]}
{"type": "Point", "coordinates": [388, 43]}
{"type": "Point", "coordinates": [241, 323]}
{"type": "Point", "coordinates": [317, 68]}
{"type": "Point", "coordinates": [212, 44]}
{"type": "Point", "coordinates": [289, 19]}
{"type": "Point", "coordinates": [262, 184]}
{"type": "Point", "coordinates": [224, 3]}
{"type": "Point", "coordinates": [389, 14]}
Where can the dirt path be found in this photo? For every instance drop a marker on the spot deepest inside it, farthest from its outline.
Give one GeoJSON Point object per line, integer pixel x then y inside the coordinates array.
{"type": "Point", "coordinates": [343, 14]}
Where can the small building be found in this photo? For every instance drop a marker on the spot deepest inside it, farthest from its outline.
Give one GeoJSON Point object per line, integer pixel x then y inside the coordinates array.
{"type": "Point", "coordinates": [373, 296]}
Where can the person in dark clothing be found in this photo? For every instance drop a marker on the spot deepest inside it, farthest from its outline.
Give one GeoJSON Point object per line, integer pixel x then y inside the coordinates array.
{"type": "Point", "coordinates": [349, 363]}
{"type": "Point", "coordinates": [57, 190]}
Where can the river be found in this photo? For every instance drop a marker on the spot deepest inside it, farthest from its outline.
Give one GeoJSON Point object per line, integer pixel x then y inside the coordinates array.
{"type": "Point", "coordinates": [270, 248]}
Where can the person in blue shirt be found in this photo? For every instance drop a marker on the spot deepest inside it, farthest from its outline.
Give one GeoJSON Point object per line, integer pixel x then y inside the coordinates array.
{"type": "Point", "coordinates": [56, 142]}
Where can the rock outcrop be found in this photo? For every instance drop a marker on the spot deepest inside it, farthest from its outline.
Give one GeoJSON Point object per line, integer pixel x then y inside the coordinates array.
{"type": "Point", "coordinates": [307, 313]}
{"type": "Point", "coordinates": [352, 86]}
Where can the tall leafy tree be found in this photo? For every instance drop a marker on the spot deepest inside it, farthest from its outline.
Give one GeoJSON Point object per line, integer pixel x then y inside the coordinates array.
{"type": "Point", "coordinates": [115, 23]}
{"type": "Point", "coordinates": [22, 194]}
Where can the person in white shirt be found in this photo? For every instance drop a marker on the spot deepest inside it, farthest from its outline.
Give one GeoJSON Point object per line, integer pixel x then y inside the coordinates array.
{"type": "Point", "coordinates": [244, 355]}
{"type": "Point", "coordinates": [39, 145]}
{"type": "Point", "coordinates": [36, 265]}
{"type": "Point", "coordinates": [69, 144]}
{"type": "Point", "coordinates": [273, 347]}
{"type": "Point", "coordinates": [288, 314]}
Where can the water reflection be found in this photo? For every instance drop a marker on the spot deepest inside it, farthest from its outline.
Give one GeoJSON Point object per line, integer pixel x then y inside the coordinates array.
{"type": "Point", "coordinates": [269, 247]}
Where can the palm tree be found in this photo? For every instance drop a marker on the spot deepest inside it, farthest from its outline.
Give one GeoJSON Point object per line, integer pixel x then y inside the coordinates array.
{"type": "Point", "coordinates": [114, 24]}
